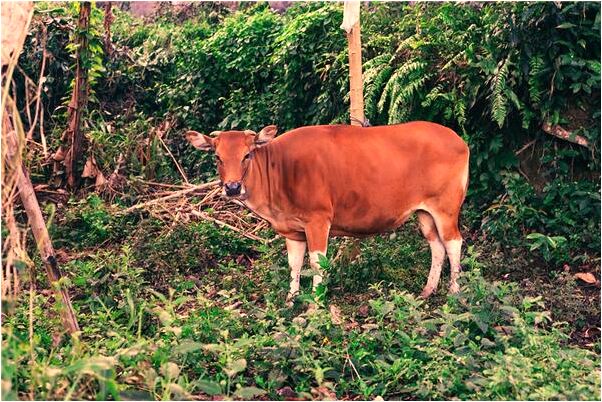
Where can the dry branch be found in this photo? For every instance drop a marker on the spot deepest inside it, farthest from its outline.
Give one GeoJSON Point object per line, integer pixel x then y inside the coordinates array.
{"type": "Point", "coordinates": [173, 159]}
{"type": "Point", "coordinates": [174, 194]}
{"type": "Point", "coordinates": [176, 207]}
{"type": "Point", "coordinates": [226, 225]}
{"type": "Point", "coordinates": [15, 21]}
{"type": "Point", "coordinates": [524, 147]}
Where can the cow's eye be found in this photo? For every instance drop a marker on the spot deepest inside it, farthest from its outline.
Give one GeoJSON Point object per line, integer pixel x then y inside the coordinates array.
{"type": "Point", "coordinates": [247, 157]}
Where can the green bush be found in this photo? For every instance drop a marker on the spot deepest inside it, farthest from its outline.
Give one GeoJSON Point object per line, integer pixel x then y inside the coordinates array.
{"type": "Point", "coordinates": [568, 211]}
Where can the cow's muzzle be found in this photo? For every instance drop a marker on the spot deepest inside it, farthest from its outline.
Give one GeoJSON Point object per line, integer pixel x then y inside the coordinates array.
{"type": "Point", "coordinates": [233, 188]}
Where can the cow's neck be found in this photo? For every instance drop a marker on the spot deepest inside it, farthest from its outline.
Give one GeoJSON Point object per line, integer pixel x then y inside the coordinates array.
{"type": "Point", "coordinates": [260, 184]}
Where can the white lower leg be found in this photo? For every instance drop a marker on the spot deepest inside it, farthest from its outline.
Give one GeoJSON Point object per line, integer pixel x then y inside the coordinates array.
{"type": "Point", "coordinates": [313, 259]}
{"type": "Point", "coordinates": [437, 259]}
{"type": "Point", "coordinates": [454, 251]}
{"type": "Point", "coordinates": [296, 254]}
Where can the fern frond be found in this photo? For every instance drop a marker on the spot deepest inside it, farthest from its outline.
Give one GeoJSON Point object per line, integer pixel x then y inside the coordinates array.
{"type": "Point", "coordinates": [403, 97]}
{"type": "Point", "coordinates": [400, 86]}
{"type": "Point", "coordinates": [411, 66]}
{"type": "Point", "coordinates": [387, 90]}
{"type": "Point", "coordinates": [374, 88]}
{"type": "Point", "coordinates": [460, 111]}
{"type": "Point", "coordinates": [499, 103]}
{"type": "Point", "coordinates": [407, 43]}
{"type": "Point", "coordinates": [536, 66]}
{"type": "Point", "coordinates": [376, 63]}
{"type": "Point", "coordinates": [413, 86]}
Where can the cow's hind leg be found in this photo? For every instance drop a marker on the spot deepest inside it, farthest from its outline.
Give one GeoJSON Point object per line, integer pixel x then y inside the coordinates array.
{"type": "Point", "coordinates": [296, 253]}
{"type": "Point", "coordinates": [447, 226]}
{"type": "Point", "coordinates": [429, 231]}
{"type": "Point", "coordinates": [317, 232]}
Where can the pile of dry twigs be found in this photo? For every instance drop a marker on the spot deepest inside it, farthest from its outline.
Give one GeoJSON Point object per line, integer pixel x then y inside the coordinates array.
{"type": "Point", "coordinates": [183, 203]}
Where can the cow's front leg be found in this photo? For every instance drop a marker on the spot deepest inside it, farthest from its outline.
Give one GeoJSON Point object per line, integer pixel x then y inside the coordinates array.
{"type": "Point", "coordinates": [296, 254]}
{"type": "Point", "coordinates": [317, 240]}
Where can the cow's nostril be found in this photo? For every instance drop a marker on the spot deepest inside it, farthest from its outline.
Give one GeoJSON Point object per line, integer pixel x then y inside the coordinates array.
{"type": "Point", "coordinates": [233, 188]}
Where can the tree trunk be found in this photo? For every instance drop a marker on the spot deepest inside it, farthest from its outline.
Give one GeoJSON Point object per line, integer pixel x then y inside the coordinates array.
{"type": "Point", "coordinates": [108, 21]}
{"type": "Point", "coordinates": [351, 25]}
{"type": "Point", "coordinates": [79, 99]}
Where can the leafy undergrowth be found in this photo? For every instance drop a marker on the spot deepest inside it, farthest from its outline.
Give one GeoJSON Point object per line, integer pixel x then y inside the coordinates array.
{"type": "Point", "coordinates": [195, 312]}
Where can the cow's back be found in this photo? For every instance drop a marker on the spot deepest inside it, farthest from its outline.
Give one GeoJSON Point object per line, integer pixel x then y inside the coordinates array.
{"type": "Point", "coordinates": [368, 178]}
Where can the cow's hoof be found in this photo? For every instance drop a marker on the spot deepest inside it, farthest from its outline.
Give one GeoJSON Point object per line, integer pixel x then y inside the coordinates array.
{"type": "Point", "coordinates": [426, 293]}
{"type": "Point", "coordinates": [290, 299]}
{"type": "Point", "coordinates": [454, 288]}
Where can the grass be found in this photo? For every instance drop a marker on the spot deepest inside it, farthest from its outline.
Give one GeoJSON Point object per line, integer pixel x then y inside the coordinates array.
{"type": "Point", "coordinates": [196, 312]}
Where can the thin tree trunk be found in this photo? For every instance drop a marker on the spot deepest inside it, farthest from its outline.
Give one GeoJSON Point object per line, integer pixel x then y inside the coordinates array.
{"type": "Point", "coordinates": [351, 25]}
{"type": "Point", "coordinates": [38, 226]}
{"type": "Point", "coordinates": [108, 21]}
{"type": "Point", "coordinates": [79, 99]}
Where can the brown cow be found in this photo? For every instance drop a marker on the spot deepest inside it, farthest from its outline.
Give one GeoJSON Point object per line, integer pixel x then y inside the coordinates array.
{"type": "Point", "coordinates": [320, 181]}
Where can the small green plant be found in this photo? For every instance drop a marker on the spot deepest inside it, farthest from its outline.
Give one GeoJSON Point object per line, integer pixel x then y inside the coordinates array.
{"type": "Point", "coordinates": [550, 246]}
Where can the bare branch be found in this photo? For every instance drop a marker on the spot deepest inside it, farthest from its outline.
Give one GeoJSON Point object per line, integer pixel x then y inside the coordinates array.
{"type": "Point", "coordinates": [563, 134]}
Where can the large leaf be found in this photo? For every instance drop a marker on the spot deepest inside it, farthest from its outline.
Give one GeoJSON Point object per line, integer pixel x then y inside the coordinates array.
{"type": "Point", "coordinates": [236, 367]}
{"type": "Point", "coordinates": [209, 387]}
{"type": "Point", "coordinates": [248, 393]}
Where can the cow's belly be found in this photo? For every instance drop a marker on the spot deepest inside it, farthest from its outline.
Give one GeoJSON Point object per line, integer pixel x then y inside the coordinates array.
{"type": "Point", "coordinates": [373, 210]}
{"type": "Point", "coordinates": [367, 223]}
{"type": "Point", "coordinates": [355, 215]}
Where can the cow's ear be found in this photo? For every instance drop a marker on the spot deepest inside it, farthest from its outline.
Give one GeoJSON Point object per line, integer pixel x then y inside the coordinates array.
{"type": "Point", "coordinates": [200, 141]}
{"type": "Point", "coordinates": [266, 135]}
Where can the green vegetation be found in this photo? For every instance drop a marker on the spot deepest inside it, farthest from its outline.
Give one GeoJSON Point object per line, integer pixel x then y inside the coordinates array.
{"type": "Point", "coordinates": [196, 322]}
{"type": "Point", "coordinates": [194, 310]}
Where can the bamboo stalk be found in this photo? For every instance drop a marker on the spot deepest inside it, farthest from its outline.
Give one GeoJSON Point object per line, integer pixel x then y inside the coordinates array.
{"type": "Point", "coordinates": [38, 226]}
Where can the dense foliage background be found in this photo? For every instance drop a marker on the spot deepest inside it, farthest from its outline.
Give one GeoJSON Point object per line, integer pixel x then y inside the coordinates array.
{"type": "Point", "coordinates": [494, 72]}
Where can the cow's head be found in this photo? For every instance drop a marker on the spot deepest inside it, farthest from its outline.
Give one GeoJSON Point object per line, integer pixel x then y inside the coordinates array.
{"type": "Point", "coordinates": [233, 153]}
